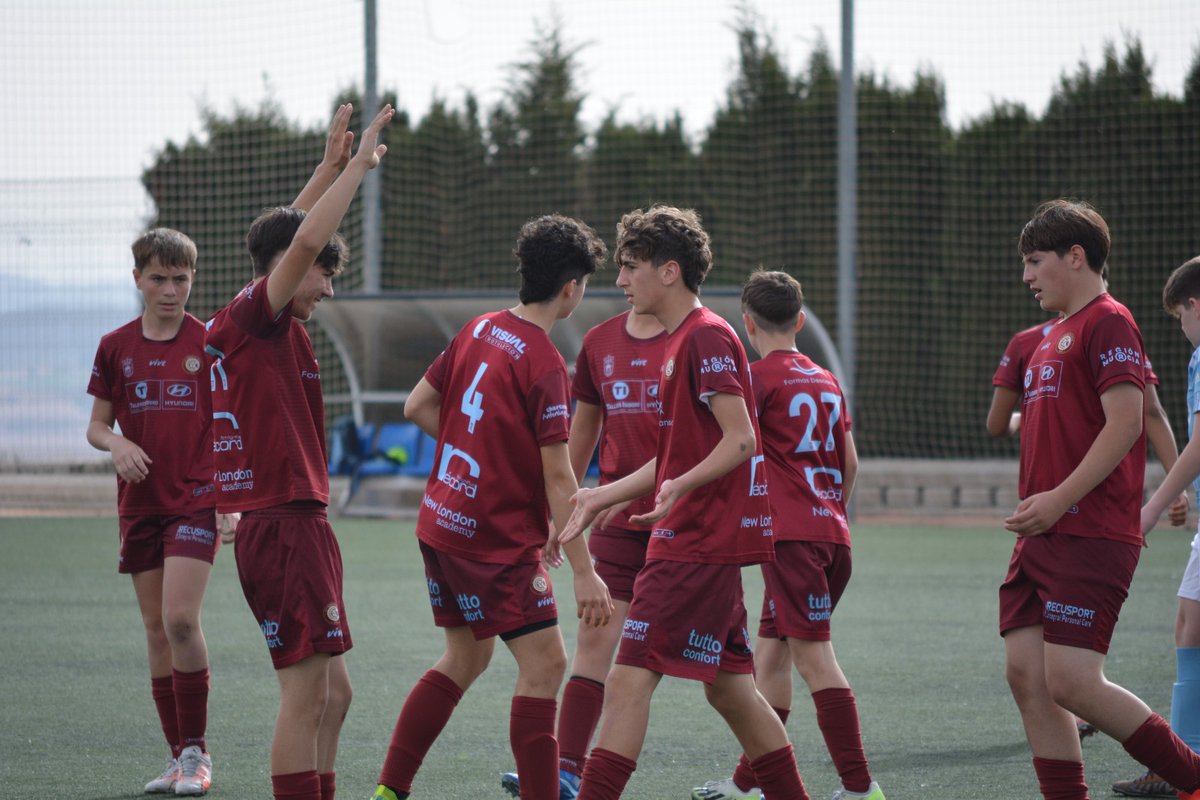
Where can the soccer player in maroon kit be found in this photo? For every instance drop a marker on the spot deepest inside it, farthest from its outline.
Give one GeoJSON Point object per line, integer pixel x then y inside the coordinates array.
{"type": "Point", "coordinates": [269, 438]}
{"type": "Point", "coordinates": [147, 377]}
{"type": "Point", "coordinates": [497, 401]}
{"type": "Point", "coordinates": [687, 618]}
{"type": "Point", "coordinates": [1078, 525]}
{"type": "Point", "coordinates": [812, 460]}
{"type": "Point", "coordinates": [616, 404]}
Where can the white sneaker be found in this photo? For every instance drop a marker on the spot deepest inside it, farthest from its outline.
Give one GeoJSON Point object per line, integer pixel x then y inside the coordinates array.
{"type": "Point", "coordinates": [195, 772]}
{"type": "Point", "coordinates": [165, 783]}
{"type": "Point", "coordinates": [725, 790]}
{"type": "Point", "coordinates": [873, 793]}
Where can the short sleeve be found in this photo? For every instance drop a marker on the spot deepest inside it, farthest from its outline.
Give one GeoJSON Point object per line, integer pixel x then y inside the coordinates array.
{"type": "Point", "coordinates": [251, 312]}
{"type": "Point", "coordinates": [100, 384]}
{"type": "Point", "coordinates": [1012, 364]}
{"type": "Point", "coordinates": [714, 362]}
{"type": "Point", "coordinates": [1115, 353]}
{"type": "Point", "coordinates": [548, 405]}
{"type": "Point", "coordinates": [583, 386]}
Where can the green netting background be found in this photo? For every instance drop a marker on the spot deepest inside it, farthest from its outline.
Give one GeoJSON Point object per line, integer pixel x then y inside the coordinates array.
{"type": "Point", "coordinates": [949, 170]}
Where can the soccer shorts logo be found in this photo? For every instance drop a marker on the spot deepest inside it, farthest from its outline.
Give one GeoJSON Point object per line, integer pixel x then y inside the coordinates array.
{"type": "Point", "coordinates": [539, 584]}
{"type": "Point", "coordinates": [332, 614]}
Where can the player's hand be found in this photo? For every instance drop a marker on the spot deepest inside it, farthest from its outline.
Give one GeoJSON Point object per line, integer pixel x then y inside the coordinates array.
{"type": "Point", "coordinates": [1036, 514]}
{"type": "Point", "coordinates": [130, 461]}
{"type": "Point", "coordinates": [668, 493]}
{"type": "Point", "coordinates": [593, 604]}
{"type": "Point", "coordinates": [1178, 510]}
{"type": "Point", "coordinates": [338, 144]}
{"type": "Point", "coordinates": [227, 526]}
{"type": "Point", "coordinates": [552, 552]}
{"type": "Point", "coordinates": [587, 506]}
{"type": "Point", "coordinates": [605, 518]}
{"type": "Point", "coordinates": [369, 149]}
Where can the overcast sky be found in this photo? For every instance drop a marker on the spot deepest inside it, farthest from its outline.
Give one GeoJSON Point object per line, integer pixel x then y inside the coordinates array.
{"type": "Point", "coordinates": [92, 88]}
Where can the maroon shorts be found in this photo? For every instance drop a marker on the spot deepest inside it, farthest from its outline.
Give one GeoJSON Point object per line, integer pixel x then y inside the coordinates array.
{"type": "Point", "coordinates": [618, 556]}
{"type": "Point", "coordinates": [801, 588]}
{"type": "Point", "coordinates": [291, 571]}
{"type": "Point", "coordinates": [147, 539]}
{"type": "Point", "coordinates": [493, 599]}
{"type": "Point", "coordinates": [1073, 586]}
{"type": "Point", "coordinates": [687, 620]}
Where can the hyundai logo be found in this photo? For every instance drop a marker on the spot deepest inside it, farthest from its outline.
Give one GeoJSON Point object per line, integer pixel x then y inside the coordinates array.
{"type": "Point", "coordinates": [1047, 373]}
{"type": "Point", "coordinates": [179, 390]}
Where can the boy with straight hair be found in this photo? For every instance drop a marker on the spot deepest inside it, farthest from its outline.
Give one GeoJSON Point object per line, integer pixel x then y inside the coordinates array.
{"type": "Point", "coordinates": [687, 618]}
{"type": "Point", "coordinates": [498, 402]}
{"type": "Point", "coordinates": [147, 377]}
{"type": "Point", "coordinates": [1078, 529]}
{"type": "Point", "coordinates": [269, 436]}
{"type": "Point", "coordinates": [812, 460]}
{"type": "Point", "coordinates": [1181, 299]}
{"type": "Point", "coordinates": [615, 389]}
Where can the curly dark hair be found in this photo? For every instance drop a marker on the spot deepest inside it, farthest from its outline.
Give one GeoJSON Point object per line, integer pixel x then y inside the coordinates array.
{"type": "Point", "coordinates": [551, 252]}
{"type": "Point", "coordinates": [665, 233]}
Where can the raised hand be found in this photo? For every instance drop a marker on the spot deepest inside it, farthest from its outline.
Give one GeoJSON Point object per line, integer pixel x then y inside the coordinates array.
{"type": "Point", "coordinates": [369, 150]}
{"type": "Point", "coordinates": [338, 144]}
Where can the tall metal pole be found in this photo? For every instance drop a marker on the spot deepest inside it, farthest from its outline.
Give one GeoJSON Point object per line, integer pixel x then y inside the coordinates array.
{"type": "Point", "coordinates": [847, 222]}
{"type": "Point", "coordinates": [372, 216]}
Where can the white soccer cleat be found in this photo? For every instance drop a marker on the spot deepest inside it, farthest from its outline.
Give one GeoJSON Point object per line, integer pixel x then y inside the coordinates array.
{"type": "Point", "coordinates": [725, 790]}
{"type": "Point", "coordinates": [195, 772]}
{"type": "Point", "coordinates": [873, 793]}
{"type": "Point", "coordinates": [165, 783]}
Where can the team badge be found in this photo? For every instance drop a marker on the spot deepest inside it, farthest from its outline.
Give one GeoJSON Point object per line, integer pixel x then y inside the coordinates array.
{"type": "Point", "coordinates": [127, 367]}
{"type": "Point", "coordinates": [332, 614]}
{"type": "Point", "coordinates": [192, 364]}
{"type": "Point", "coordinates": [1064, 344]}
{"type": "Point", "coordinates": [609, 363]}
{"type": "Point", "coordinates": [539, 584]}
{"type": "Point", "coordinates": [669, 369]}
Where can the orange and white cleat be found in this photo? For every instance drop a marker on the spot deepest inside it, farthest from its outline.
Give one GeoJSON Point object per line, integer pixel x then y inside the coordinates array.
{"type": "Point", "coordinates": [195, 772]}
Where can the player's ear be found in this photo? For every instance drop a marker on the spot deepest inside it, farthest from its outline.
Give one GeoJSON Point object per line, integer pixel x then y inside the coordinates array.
{"type": "Point", "coordinates": [800, 321]}
{"type": "Point", "coordinates": [748, 323]}
{"type": "Point", "coordinates": [669, 272]}
{"type": "Point", "coordinates": [137, 277]}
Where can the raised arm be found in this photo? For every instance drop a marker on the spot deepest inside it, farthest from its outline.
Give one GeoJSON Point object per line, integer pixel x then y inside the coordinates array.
{"type": "Point", "coordinates": [322, 221]}
{"type": "Point", "coordinates": [337, 156]}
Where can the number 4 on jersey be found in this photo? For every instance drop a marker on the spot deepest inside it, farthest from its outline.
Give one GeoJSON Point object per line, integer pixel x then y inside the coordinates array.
{"type": "Point", "coordinates": [472, 400]}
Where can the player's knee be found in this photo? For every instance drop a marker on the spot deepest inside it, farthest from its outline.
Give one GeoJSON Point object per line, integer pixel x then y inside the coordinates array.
{"type": "Point", "coordinates": [339, 697]}
{"type": "Point", "coordinates": [180, 628]}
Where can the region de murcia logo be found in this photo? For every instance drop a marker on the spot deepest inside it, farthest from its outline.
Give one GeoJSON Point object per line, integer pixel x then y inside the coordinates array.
{"type": "Point", "coordinates": [669, 369]}
{"type": "Point", "coordinates": [539, 584]}
{"type": "Point", "coordinates": [127, 367]}
{"type": "Point", "coordinates": [609, 363]}
{"type": "Point", "coordinates": [192, 364]}
{"type": "Point", "coordinates": [332, 614]}
{"type": "Point", "coordinates": [1064, 344]}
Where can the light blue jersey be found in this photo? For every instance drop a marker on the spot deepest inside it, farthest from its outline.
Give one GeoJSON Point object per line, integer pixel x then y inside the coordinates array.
{"type": "Point", "coordinates": [1193, 402]}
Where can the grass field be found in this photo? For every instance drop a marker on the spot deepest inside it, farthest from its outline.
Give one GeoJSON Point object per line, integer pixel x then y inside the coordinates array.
{"type": "Point", "coordinates": [915, 635]}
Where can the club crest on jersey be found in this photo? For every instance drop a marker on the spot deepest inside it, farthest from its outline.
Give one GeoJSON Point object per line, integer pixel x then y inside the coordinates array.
{"type": "Point", "coordinates": [1064, 344]}
{"type": "Point", "coordinates": [332, 614]}
{"type": "Point", "coordinates": [669, 369]}
{"type": "Point", "coordinates": [127, 367]}
{"type": "Point", "coordinates": [539, 584]}
{"type": "Point", "coordinates": [609, 363]}
{"type": "Point", "coordinates": [192, 364]}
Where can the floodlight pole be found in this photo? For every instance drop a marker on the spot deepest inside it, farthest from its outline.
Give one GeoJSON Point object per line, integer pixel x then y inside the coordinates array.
{"type": "Point", "coordinates": [847, 187]}
{"type": "Point", "coordinates": [372, 214]}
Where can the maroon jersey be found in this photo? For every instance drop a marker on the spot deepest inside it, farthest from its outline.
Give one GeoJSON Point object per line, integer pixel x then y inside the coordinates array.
{"type": "Point", "coordinates": [1061, 415]}
{"type": "Point", "coordinates": [159, 394]}
{"type": "Point", "coordinates": [268, 413]}
{"type": "Point", "coordinates": [504, 397]}
{"type": "Point", "coordinates": [804, 422]}
{"type": "Point", "coordinates": [727, 521]}
{"type": "Point", "coordinates": [619, 373]}
{"type": "Point", "coordinates": [1010, 372]}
